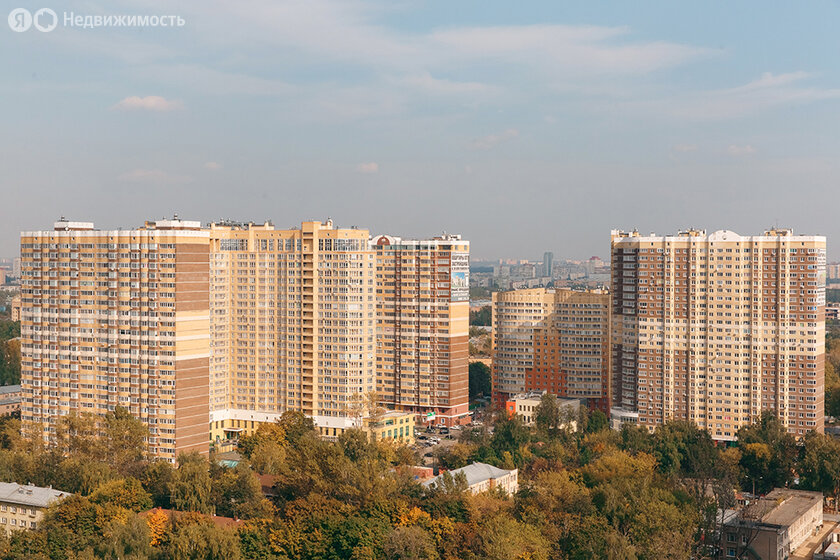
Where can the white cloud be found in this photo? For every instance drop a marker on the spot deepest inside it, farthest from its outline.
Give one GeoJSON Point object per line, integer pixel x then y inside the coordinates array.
{"type": "Point", "coordinates": [579, 48]}
{"type": "Point", "coordinates": [767, 92]}
{"type": "Point", "coordinates": [685, 148]}
{"type": "Point", "coordinates": [213, 165]}
{"type": "Point", "coordinates": [493, 140]}
{"type": "Point", "coordinates": [148, 103]}
{"type": "Point", "coordinates": [154, 176]}
{"type": "Point", "coordinates": [369, 168]}
{"type": "Point", "coordinates": [430, 84]}
{"type": "Point", "coordinates": [745, 150]}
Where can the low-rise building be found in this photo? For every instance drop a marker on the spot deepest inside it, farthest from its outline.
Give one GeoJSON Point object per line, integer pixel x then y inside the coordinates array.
{"type": "Point", "coordinates": [832, 312]}
{"type": "Point", "coordinates": [620, 416]}
{"type": "Point", "coordinates": [772, 527]}
{"type": "Point", "coordinates": [525, 405]}
{"type": "Point", "coordinates": [481, 477]}
{"type": "Point", "coordinates": [22, 507]}
{"type": "Point", "coordinates": [9, 399]}
{"type": "Point", "coordinates": [393, 425]}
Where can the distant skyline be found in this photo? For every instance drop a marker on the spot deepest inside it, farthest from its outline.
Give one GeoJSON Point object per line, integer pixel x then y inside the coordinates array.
{"type": "Point", "coordinates": [523, 127]}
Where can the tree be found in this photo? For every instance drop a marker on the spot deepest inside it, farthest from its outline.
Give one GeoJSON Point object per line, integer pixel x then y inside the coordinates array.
{"type": "Point", "coordinates": [158, 478]}
{"type": "Point", "coordinates": [770, 464]}
{"type": "Point", "coordinates": [158, 522]}
{"type": "Point", "coordinates": [819, 468]}
{"type": "Point", "coordinates": [480, 380]}
{"type": "Point", "coordinates": [126, 493]}
{"type": "Point", "coordinates": [237, 493]}
{"type": "Point", "coordinates": [130, 540]}
{"type": "Point", "coordinates": [597, 422]}
{"type": "Point", "coordinates": [547, 414]}
{"type": "Point", "coordinates": [202, 541]}
{"type": "Point", "coordinates": [296, 425]}
{"type": "Point", "coordinates": [482, 317]}
{"type": "Point", "coordinates": [125, 439]}
{"type": "Point", "coordinates": [191, 488]}
{"type": "Point", "coordinates": [409, 543]}
{"type": "Point", "coordinates": [503, 538]}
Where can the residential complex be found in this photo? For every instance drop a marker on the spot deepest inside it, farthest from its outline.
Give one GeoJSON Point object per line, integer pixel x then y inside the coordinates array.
{"type": "Point", "coordinates": [717, 328]}
{"type": "Point", "coordinates": [117, 318]}
{"type": "Point", "coordinates": [422, 326]}
{"type": "Point", "coordinates": [552, 340]}
{"type": "Point", "coordinates": [203, 333]}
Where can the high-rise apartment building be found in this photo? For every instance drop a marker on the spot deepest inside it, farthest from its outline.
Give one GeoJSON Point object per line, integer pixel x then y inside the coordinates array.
{"type": "Point", "coordinates": [234, 324]}
{"type": "Point", "coordinates": [552, 340]}
{"type": "Point", "coordinates": [515, 316]}
{"type": "Point", "coordinates": [117, 318]}
{"type": "Point", "coordinates": [293, 315]}
{"type": "Point", "coordinates": [571, 355]}
{"type": "Point", "coordinates": [422, 326]}
{"type": "Point", "coordinates": [717, 328]}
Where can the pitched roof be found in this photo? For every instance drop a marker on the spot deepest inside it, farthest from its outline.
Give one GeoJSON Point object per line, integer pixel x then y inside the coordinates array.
{"type": "Point", "coordinates": [475, 474]}
{"type": "Point", "coordinates": [29, 495]}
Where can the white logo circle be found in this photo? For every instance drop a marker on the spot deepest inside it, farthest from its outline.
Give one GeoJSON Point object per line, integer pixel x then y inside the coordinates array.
{"type": "Point", "coordinates": [45, 20]}
{"type": "Point", "coordinates": [20, 20]}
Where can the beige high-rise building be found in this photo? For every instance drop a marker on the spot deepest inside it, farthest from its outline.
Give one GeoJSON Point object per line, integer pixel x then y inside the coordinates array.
{"type": "Point", "coordinates": [292, 323]}
{"type": "Point", "coordinates": [552, 340]}
{"type": "Point", "coordinates": [717, 328]}
{"type": "Point", "coordinates": [572, 349]}
{"type": "Point", "coordinates": [422, 326]}
{"type": "Point", "coordinates": [204, 333]}
{"type": "Point", "coordinates": [117, 318]}
{"type": "Point", "coordinates": [515, 316]}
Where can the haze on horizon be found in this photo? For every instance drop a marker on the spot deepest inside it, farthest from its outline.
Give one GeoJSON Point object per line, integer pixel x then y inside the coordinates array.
{"type": "Point", "coordinates": [523, 128]}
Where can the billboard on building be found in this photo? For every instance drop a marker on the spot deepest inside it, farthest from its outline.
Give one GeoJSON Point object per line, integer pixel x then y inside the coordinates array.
{"type": "Point", "coordinates": [460, 277]}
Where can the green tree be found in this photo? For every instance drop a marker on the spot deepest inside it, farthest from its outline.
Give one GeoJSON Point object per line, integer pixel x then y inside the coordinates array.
{"type": "Point", "coordinates": [479, 380]}
{"type": "Point", "coordinates": [770, 464]}
{"type": "Point", "coordinates": [129, 540]}
{"type": "Point", "coordinates": [547, 414]}
{"type": "Point", "coordinates": [482, 317]}
{"type": "Point", "coordinates": [202, 541]}
{"type": "Point", "coordinates": [158, 478]}
{"type": "Point", "coordinates": [125, 437]}
{"type": "Point", "coordinates": [296, 425]}
{"type": "Point", "coordinates": [191, 488]}
{"type": "Point", "coordinates": [819, 468]}
{"type": "Point", "coordinates": [237, 493]}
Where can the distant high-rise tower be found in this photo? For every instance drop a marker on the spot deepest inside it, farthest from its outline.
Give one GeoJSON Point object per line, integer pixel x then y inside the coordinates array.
{"type": "Point", "coordinates": [717, 328]}
{"type": "Point", "coordinates": [548, 263]}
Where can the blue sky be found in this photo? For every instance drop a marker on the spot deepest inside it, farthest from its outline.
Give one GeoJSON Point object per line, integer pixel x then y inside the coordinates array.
{"type": "Point", "coordinates": [524, 126]}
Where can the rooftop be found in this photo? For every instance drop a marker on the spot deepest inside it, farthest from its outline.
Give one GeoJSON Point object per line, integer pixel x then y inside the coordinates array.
{"type": "Point", "coordinates": [782, 506]}
{"type": "Point", "coordinates": [475, 473]}
{"type": "Point", "coordinates": [29, 495]}
{"type": "Point", "coordinates": [6, 389]}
